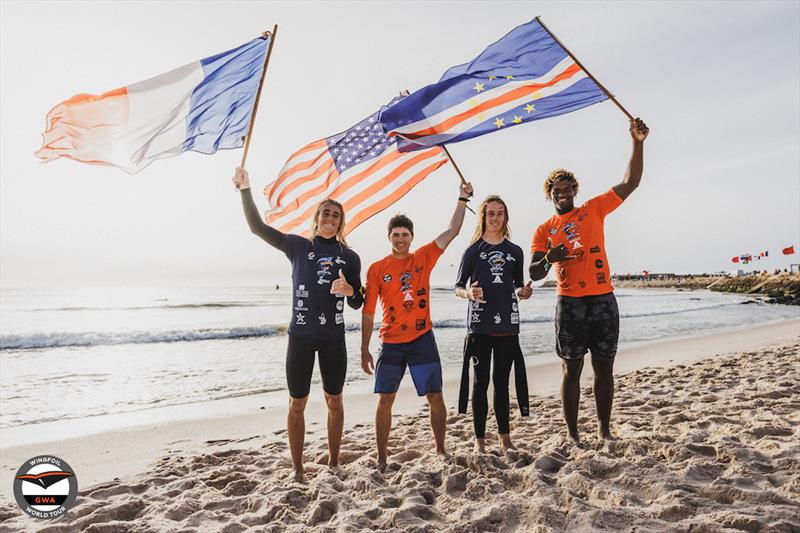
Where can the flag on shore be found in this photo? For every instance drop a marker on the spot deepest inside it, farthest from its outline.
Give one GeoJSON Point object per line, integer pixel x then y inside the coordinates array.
{"type": "Point", "coordinates": [525, 76]}
{"type": "Point", "coordinates": [788, 251]}
{"type": "Point", "coordinates": [361, 168]}
{"type": "Point", "coordinates": [204, 106]}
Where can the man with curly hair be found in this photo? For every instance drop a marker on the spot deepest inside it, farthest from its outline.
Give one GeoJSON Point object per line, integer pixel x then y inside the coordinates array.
{"type": "Point", "coordinates": [587, 318]}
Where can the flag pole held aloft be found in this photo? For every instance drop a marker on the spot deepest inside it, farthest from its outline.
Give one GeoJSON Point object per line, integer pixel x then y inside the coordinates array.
{"type": "Point", "coordinates": [610, 96]}
{"type": "Point", "coordinates": [265, 35]}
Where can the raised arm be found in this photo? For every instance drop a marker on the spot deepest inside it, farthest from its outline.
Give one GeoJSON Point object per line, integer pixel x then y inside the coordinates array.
{"type": "Point", "coordinates": [633, 174]}
{"type": "Point", "coordinates": [443, 240]}
{"type": "Point", "coordinates": [257, 226]}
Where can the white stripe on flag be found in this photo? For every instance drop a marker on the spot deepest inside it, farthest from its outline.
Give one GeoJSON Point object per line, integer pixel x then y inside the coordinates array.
{"type": "Point", "coordinates": [356, 181]}
{"type": "Point", "coordinates": [480, 98]}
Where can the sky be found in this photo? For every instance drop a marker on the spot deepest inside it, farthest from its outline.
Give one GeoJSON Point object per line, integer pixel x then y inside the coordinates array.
{"type": "Point", "coordinates": [718, 83]}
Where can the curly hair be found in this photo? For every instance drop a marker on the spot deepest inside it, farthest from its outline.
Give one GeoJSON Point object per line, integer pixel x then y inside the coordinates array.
{"type": "Point", "coordinates": [554, 176]}
{"type": "Point", "coordinates": [480, 227]}
{"type": "Point", "coordinates": [400, 221]}
{"type": "Point", "coordinates": [315, 223]}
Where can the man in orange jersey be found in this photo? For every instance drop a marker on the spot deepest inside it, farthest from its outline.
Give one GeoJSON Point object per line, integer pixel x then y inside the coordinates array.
{"type": "Point", "coordinates": [402, 282]}
{"type": "Point", "coordinates": [587, 318]}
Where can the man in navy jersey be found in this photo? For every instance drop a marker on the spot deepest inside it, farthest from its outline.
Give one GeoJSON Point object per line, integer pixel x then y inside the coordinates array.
{"type": "Point", "coordinates": [324, 272]}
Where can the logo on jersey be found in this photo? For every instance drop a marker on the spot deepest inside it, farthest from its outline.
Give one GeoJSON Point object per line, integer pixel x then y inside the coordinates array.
{"type": "Point", "coordinates": [311, 256]}
{"type": "Point", "coordinates": [422, 303]}
{"type": "Point", "coordinates": [514, 306]}
{"type": "Point", "coordinates": [594, 249]}
{"type": "Point", "coordinates": [599, 263]}
{"type": "Point", "coordinates": [324, 264]}
{"type": "Point", "coordinates": [601, 278]}
{"type": "Point", "coordinates": [571, 230]}
{"type": "Point", "coordinates": [340, 305]}
{"type": "Point", "coordinates": [405, 281]}
{"type": "Point", "coordinates": [496, 262]}
{"type": "Point", "coordinates": [421, 324]}
{"type": "Point", "coordinates": [515, 318]}
{"type": "Point", "coordinates": [301, 319]}
{"type": "Point", "coordinates": [497, 318]}
{"type": "Point", "coordinates": [322, 319]}
{"type": "Point", "coordinates": [301, 291]}
{"type": "Point", "coordinates": [474, 318]}
{"type": "Point", "coordinates": [387, 278]}
{"type": "Point", "coordinates": [339, 318]}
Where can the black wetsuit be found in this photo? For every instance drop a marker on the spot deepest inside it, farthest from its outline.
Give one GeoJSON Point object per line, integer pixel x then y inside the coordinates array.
{"type": "Point", "coordinates": [493, 328]}
{"type": "Point", "coordinates": [317, 322]}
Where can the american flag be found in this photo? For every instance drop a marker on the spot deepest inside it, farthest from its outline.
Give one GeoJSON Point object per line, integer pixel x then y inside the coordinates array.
{"type": "Point", "coordinates": [361, 168]}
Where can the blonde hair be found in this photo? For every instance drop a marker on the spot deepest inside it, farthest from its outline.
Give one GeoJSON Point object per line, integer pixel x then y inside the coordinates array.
{"type": "Point", "coordinates": [315, 224]}
{"type": "Point", "coordinates": [480, 227]}
{"type": "Point", "coordinates": [559, 174]}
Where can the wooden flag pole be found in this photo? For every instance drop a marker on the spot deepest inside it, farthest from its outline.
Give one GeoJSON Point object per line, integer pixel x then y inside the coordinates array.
{"type": "Point", "coordinates": [460, 175]}
{"type": "Point", "coordinates": [258, 94]}
{"type": "Point", "coordinates": [610, 96]}
{"type": "Point", "coordinates": [405, 92]}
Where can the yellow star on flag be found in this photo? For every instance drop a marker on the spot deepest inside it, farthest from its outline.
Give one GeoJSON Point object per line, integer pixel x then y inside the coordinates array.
{"type": "Point", "coordinates": [482, 116]}
{"type": "Point", "coordinates": [478, 87]}
{"type": "Point", "coordinates": [517, 119]}
{"type": "Point", "coordinates": [492, 78]}
{"type": "Point", "coordinates": [537, 95]}
{"type": "Point", "coordinates": [509, 77]}
{"type": "Point", "coordinates": [530, 108]}
{"type": "Point", "coordinates": [472, 102]}
{"type": "Point", "coordinates": [499, 122]}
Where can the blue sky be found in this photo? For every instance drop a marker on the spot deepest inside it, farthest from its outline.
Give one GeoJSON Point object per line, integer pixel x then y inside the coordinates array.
{"type": "Point", "coordinates": [717, 82]}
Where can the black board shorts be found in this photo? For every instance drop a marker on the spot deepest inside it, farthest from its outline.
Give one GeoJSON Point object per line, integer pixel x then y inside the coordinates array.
{"type": "Point", "coordinates": [300, 365]}
{"type": "Point", "coordinates": [588, 323]}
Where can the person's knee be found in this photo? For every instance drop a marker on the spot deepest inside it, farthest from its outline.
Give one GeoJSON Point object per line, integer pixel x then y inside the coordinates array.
{"type": "Point", "coordinates": [603, 367]}
{"type": "Point", "coordinates": [334, 402]}
{"type": "Point", "coordinates": [435, 399]}
{"type": "Point", "coordinates": [385, 401]}
{"type": "Point", "coordinates": [297, 405]}
{"type": "Point", "coordinates": [571, 369]}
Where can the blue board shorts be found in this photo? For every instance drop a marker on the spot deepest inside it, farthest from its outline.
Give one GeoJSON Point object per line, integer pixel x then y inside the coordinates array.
{"type": "Point", "coordinates": [422, 358]}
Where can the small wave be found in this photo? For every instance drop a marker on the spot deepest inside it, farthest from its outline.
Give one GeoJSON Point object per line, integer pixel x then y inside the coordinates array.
{"type": "Point", "coordinates": [209, 305]}
{"type": "Point", "coordinates": [60, 340]}
{"type": "Point", "coordinates": [677, 311]}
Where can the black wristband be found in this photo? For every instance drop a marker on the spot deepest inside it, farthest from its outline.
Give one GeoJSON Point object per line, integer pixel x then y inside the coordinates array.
{"type": "Point", "coordinates": [462, 199]}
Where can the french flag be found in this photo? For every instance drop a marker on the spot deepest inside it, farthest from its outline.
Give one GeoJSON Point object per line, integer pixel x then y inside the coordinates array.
{"type": "Point", "coordinates": [204, 106]}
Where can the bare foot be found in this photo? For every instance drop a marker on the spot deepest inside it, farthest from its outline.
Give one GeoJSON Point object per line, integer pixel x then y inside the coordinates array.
{"type": "Point", "coordinates": [575, 439]}
{"type": "Point", "coordinates": [381, 466]}
{"type": "Point", "coordinates": [605, 434]}
{"type": "Point", "coordinates": [480, 445]}
{"type": "Point", "coordinates": [505, 442]}
{"type": "Point", "coordinates": [299, 475]}
{"type": "Point", "coordinates": [444, 456]}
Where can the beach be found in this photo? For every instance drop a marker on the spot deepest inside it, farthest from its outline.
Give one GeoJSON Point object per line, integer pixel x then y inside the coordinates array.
{"type": "Point", "coordinates": [707, 440]}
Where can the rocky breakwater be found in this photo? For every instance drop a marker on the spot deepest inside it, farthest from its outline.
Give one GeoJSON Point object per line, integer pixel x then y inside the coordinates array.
{"type": "Point", "coordinates": [781, 288]}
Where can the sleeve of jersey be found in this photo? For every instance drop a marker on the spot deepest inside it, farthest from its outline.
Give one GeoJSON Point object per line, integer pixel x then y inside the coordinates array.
{"type": "Point", "coordinates": [606, 202]}
{"type": "Point", "coordinates": [371, 291]}
{"type": "Point", "coordinates": [539, 241]}
{"type": "Point", "coordinates": [293, 242]}
{"type": "Point", "coordinates": [432, 252]}
{"type": "Point", "coordinates": [519, 268]}
{"type": "Point", "coordinates": [353, 277]}
{"type": "Point", "coordinates": [465, 269]}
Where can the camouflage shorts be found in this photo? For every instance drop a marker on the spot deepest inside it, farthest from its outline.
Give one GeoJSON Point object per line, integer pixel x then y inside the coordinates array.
{"type": "Point", "coordinates": [587, 323]}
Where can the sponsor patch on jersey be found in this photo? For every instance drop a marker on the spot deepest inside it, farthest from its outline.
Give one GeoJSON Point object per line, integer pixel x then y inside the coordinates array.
{"type": "Point", "coordinates": [421, 324]}
{"type": "Point", "coordinates": [387, 278]}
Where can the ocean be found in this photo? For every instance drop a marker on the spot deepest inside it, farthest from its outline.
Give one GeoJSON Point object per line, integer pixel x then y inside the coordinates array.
{"type": "Point", "coordinates": [84, 352]}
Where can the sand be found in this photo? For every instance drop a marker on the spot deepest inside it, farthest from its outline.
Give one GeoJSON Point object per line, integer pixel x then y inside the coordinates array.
{"type": "Point", "coordinates": [708, 440]}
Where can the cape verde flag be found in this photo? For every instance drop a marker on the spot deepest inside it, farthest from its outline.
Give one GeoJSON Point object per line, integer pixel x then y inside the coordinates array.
{"type": "Point", "coordinates": [204, 106]}
{"type": "Point", "coordinates": [524, 76]}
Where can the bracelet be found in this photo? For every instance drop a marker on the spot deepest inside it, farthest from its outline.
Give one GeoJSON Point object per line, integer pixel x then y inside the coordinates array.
{"type": "Point", "coordinates": [462, 199]}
